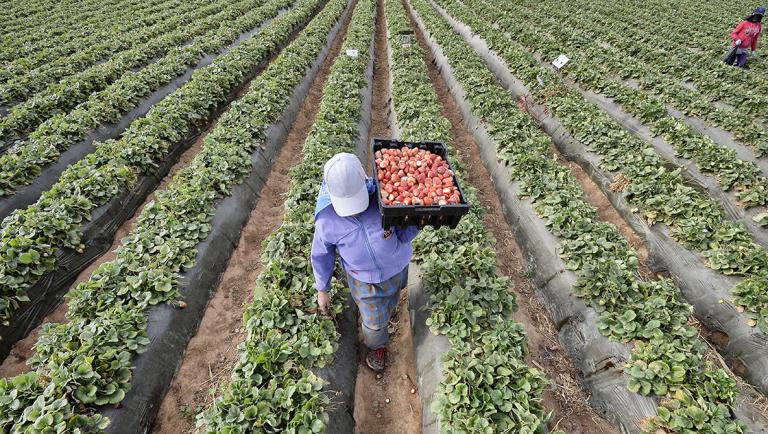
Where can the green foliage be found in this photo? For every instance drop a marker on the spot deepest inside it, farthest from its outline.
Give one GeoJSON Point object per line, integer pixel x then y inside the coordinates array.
{"type": "Point", "coordinates": [753, 292]}
{"type": "Point", "coordinates": [487, 386]}
{"type": "Point", "coordinates": [87, 361]}
{"type": "Point", "coordinates": [273, 388]}
{"type": "Point", "coordinates": [697, 221]}
{"type": "Point", "coordinates": [667, 360]}
{"type": "Point", "coordinates": [85, 34]}
{"type": "Point", "coordinates": [51, 93]}
{"type": "Point", "coordinates": [660, 77]}
{"type": "Point", "coordinates": [53, 222]}
{"type": "Point", "coordinates": [34, 405]}
{"type": "Point", "coordinates": [97, 104]}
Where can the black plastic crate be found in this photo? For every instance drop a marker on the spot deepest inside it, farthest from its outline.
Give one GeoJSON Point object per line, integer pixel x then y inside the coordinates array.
{"type": "Point", "coordinates": [418, 215]}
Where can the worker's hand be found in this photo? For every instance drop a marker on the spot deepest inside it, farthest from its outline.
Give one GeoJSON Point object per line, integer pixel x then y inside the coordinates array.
{"type": "Point", "coordinates": [324, 301]}
{"type": "Point", "coordinates": [738, 42]}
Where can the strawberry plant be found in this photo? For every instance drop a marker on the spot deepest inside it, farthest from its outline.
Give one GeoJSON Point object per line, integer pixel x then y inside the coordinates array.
{"type": "Point", "coordinates": [87, 360]}
{"type": "Point", "coordinates": [706, 72]}
{"type": "Point", "coordinates": [487, 387]}
{"type": "Point", "coordinates": [53, 222]}
{"type": "Point", "coordinates": [84, 50]}
{"type": "Point", "coordinates": [25, 76]}
{"type": "Point", "coordinates": [668, 357]}
{"type": "Point", "coordinates": [25, 160]}
{"type": "Point", "coordinates": [273, 387]}
{"type": "Point", "coordinates": [44, 32]}
{"type": "Point", "coordinates": [75, 89]}
{"type": "Point", "coordinates": [593, 72]}
{"type": "Point", "coordinates": [696, 221]}
{"type": "Point", "coordinates": [600, 68]}
{"type": "Point", "coordinates": [38, 100]}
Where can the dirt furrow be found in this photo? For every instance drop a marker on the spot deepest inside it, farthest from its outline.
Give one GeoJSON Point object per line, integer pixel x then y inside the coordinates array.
{"type": "Point", "coordinates": [384, 403]}
{"type": "Point", "coordinates": [211, 354]}
{"type": "Point", "coordinates": [16, 361]}
{"type": "Point", "coordinates": [565, 398]}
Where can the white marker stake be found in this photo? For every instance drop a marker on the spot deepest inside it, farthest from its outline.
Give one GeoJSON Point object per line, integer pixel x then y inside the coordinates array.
{"type": "Point", "coordinates": [353, 54]}
{"type": "Point", "coordinates": [560, 61]}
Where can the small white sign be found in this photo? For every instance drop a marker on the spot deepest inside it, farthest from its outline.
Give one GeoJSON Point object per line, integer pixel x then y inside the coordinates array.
{"type": "Point", "coordinates": [353, 53]}
{"type": "Point", "coordinates": [560, 61]}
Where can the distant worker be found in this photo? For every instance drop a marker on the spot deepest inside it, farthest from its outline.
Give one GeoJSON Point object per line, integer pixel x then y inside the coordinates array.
{"type": "Point", "coordinates": [348, 221]}
{"type": "Point", "coordinates": [745, 35]}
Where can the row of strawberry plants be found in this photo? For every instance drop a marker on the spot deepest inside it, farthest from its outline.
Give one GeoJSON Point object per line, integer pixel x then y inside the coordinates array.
{"type": "Point", "coordinates": [713, 39]}
{"type": "Point", "coordinates": [25, 160]}
{"type": "Point", "coordinates": [18, 90]}
{"type": "Point", "coordinates": [719, 299]}
{"type": "Point", "coordinates": [45, 48]}
{"type": "Point", "coordinates": [54, 20]}
{"type": "Point", "coordinates": [668, 359]}
{"type": "Point", "coordinates": [272, 387]}
{"type": "Point", "coordinates": [696, 221]}
{"type": "Point", "coordinates": [61, 27]}
{"type": "Point", "coordinates": [723, 163]}
{"type": "Point", "coordinates": [470, 303]}
{"type": "Point", "coordinates": [74, 89]}
{"type": "Point", "coordinates": [702, 37]}
{"type": "Point", "coordinates": [655, 74]}
{"type": "Point", "coordinates": [742, 126]}
{"type": "Point", "coordinates": [19, 11]}
{"type": "Point", "coordinates": [87, 360]}
{"type": "Point", "coordinates": [28, 12]}
{"type": "Point", "coordinates": [710, 39]}
{"type": "Point", "coordinates": [651, 78]}
{"type": "Point", "coordinates": [31, 238]}
{"type": "Point", "coordinates": [594, 67]}
{"type": "Point", "coordinates": [43, 67]}
{"type": "Point", "coordinates": [716, 79]}
{"type": "Point", "coordinates": [57, 33]}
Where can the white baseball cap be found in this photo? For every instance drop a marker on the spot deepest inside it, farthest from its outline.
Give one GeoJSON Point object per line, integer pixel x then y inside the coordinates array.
{"type": "Point", "coordinates": [345, 179]}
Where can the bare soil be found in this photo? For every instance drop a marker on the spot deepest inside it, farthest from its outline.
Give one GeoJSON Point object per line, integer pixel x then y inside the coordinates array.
{"type": "Point", "coordinates": [211, 353]}
{"type": "Point", "coordinates": [606, 212]}
{"type": "Point", "coordinates": [565, 398]}
{"type": "Point", "coordinates": [380, 109]}
{"type": "Point", "coordinates": [373, 414]}
{"type": "Point", "coordinates": [16, 362]}
{"type": "Point", "coordinates": [384, 403]}
{"type": "Point", "coordinates": [749, 397]}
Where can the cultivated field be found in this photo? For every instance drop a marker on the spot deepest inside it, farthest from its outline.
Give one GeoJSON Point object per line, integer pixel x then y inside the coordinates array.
{"type": "Point", "coordinates": [159, 168]}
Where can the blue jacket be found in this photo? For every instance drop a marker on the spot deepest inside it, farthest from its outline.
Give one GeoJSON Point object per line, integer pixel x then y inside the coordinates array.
{"type": "Point", "coordinates": [365, 254]}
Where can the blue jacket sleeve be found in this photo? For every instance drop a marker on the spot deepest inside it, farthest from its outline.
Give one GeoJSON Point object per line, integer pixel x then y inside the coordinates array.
{"type": "Point", "coordinates": [408, 234]}
{"type": "Point", "coordinates": [323, 262]}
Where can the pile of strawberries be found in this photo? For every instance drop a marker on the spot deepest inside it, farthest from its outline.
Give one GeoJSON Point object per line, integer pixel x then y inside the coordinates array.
{"type": "Point", "coordinates": [412, 176]}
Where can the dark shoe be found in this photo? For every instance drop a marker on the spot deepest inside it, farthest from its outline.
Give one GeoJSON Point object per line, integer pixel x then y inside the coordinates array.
{"type": "Point", "coordinates": [376, 358]}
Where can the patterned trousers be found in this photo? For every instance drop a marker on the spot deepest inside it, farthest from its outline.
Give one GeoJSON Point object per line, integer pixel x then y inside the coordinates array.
{"type": "Point", "coordinates": [377, 302]}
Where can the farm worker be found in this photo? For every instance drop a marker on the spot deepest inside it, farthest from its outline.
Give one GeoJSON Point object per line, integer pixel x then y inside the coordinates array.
{"type": "Point", "coordinates": [347, 221]}
{"type": "Point", "coordinates": [745, 35]}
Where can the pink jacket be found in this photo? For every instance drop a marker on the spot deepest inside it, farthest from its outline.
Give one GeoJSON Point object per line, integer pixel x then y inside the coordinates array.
{"type": "Point", "coordinates": [748, 32]}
